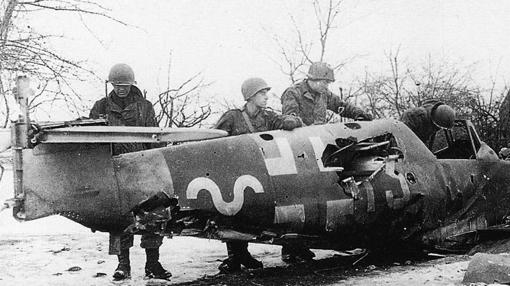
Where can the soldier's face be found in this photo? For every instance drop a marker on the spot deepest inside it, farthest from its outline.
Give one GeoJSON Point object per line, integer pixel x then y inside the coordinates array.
{"type": "Point", "coordinates": [121, 90]}
{"type": "Point", "coordinates": [319, 85]}
{"type": "Point", "coordinates": [260, 99]}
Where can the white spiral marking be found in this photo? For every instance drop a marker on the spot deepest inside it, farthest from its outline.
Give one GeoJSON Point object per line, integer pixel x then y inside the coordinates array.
{"type": "Point", "coordinates": [231, 208]}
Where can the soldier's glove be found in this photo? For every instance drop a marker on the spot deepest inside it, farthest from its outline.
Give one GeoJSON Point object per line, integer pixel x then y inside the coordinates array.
{"type": "Point", "coordinates": [291, 122]}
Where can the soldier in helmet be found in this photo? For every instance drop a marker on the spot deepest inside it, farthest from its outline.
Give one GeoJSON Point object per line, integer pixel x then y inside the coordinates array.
{"type": "Point", "coordinates": [310, 98]}
{"type": "Point", "coordinates": [253, 117]}
{"type": "Point", "coordinates": [428, 118]}
{"type": "Point", "coordinates": [126, 106]}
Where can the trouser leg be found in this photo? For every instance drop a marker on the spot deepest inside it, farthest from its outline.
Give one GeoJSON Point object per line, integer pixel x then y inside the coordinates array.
{"type": "Point", "coordinates": [238, 254]}
{"type": "Point", "coordinates": [152, 256]}
{"type": "Point", "coordinates": [120, 244]}
{"type": "Point", "coordinates": [232, 263]}
{"type": "Point", "coordinates": [151, 241]}
{"type": "Point", "coordinates": [153, 268]}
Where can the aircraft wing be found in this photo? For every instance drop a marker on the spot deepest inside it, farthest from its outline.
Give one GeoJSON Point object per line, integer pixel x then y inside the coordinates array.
{"type": "Point", "coordinates": [123, 134]}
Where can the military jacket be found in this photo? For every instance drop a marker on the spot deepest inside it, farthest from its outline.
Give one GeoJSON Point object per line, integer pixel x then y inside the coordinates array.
{"type": "Point", "coordinates": [137, 112]}
{"type": "Point", "coordinates": [263, 120]}
{"type": "Point", "coordinates": [419, 119]}
{"type": "Point", "coordinates": [311, 106]}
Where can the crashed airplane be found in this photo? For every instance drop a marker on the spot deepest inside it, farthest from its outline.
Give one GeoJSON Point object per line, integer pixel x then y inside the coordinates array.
{"type": "Point", "coordinates": [337, 186]}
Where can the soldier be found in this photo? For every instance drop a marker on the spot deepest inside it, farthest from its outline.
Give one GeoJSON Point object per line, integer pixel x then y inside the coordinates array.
{"type": "Point", "coordinates": [428, 118]}
{"type": "Point", "coordinates": [310, 98]}
{"type": "Point", "coordinates": [253, 117]}
{"type": "Point", "coordinates": [126, 106]}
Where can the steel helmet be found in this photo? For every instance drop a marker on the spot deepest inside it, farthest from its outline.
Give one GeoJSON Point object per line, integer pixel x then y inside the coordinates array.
{"type": "Point", "coordinates": [321, 71]}
{"type": "Point", "coordinates": [121, 74]}
{"type": "Point", "coordinates": [443, 116]}
{"type": "Point", "coordinates": [251, 86]}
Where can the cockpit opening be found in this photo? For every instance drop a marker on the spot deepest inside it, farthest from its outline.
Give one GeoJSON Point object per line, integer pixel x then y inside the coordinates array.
{"type": "Point", "coordinates": [267, 137]}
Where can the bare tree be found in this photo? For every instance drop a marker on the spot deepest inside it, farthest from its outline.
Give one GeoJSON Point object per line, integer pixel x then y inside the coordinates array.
{"type": "Point", "coordinates": [405, 86]}
{"type": "Point", "coordinates": [300, 51]}
{"type": "Point", "coordinates": [504, 116]}
{"type": "Point", "coordinates": [25, 51]}
{"type": "Point", "coordinates": [182, 105]}
{"type": "Point", "coordinates": [486, 116]}
{"type": "Point", "coordinates": [387, 94]}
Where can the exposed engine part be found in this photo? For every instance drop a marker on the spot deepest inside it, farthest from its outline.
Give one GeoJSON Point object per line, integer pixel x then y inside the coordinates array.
{"type": "Point", "coordinates": [161, 199]}
{"type": "Point", "coordinates": [361, 159]}
{"type": "Point", "coordinates": [350, 187]}
{"type": "Point", "coordinates": [154, 215]}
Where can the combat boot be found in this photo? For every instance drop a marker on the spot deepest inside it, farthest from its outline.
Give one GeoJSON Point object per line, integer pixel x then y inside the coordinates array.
{"type": "Point", "coordinates": [156, 271]}
{"type": "Point", "coordinates": [251, 263]}
{"type": "Point", "coordinates": [229, 266]}
{"type": "Point", "coordinates": [123, 270]}
{"type": "Point", "coordinates": [246, 259]}
{"type": "Point", "coordinates": [153, 269]}
{"type": "Point", "coordinates": [232, 264]}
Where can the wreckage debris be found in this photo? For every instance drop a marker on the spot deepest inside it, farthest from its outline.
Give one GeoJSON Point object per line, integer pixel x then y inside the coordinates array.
{"type": "Point", "coordinates": [60, 250]}
{"type": "Point", "coordinates": [99, 274]}
{"type": "Point", "coordinates": [488, 268]}
{"type": "Point", "coordinates": [74, 269]}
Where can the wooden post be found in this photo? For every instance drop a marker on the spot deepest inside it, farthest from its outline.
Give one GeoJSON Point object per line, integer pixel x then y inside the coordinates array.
{"type": "Point", "coordinates": [20, 140]}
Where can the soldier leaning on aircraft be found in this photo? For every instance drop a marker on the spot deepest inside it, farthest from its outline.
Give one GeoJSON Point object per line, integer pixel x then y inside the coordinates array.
{"type": "Point", "coordinates": [310, 98]}
{"type": "Point", "coordinates": [253, 117]}
{"type": "Point", "coordinates": [428, 118]}
{"type": "Point", "coordinates": [126, 106]}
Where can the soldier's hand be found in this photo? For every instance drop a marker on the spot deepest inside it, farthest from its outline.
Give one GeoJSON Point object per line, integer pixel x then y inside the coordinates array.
{"type": "Point", "coordinates": [291, 122]}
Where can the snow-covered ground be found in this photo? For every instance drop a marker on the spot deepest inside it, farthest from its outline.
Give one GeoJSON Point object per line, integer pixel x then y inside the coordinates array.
{"type": "Point", "coordinates": [57, 251]}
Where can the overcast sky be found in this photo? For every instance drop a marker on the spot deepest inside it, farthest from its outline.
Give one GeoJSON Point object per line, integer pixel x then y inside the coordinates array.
{"type": "Point", "coordinates": [230, 41]}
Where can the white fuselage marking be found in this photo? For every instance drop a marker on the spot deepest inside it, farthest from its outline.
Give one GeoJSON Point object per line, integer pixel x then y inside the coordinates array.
{"type": "Point", "coordinates": [231, 208]}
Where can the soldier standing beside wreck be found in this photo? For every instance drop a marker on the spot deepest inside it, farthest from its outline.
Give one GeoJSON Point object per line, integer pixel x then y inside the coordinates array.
{"type": "Point", "coordinates": [428, 118]}
{"type": "Point", "coordinates": [253, 117]}
{"type": "Point", "coordinates": [126, 106]}
{"type": "Point", "coordinates": [310, 99]}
